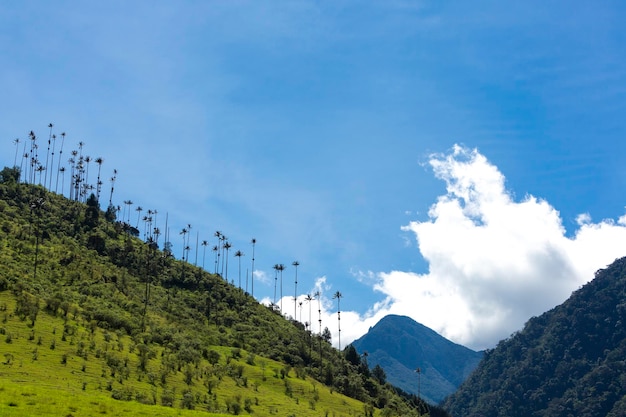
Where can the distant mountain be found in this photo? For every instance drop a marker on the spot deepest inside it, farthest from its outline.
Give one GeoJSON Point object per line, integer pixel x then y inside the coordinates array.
{"type": "Point", "coordinates": [400, 345]}
{"type": "Point", "coordinates": [570, 361]}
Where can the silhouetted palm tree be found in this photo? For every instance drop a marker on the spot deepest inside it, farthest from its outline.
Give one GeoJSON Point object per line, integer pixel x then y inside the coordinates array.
{"type": "Point", "coordinates": [239, 254]}
{"type": "Point", "coordinates": [253, 241]}
{"type": "Point", "coordinates": [113, 178]}
{"type": "Point", "coordinates": [309, 299]}
{"type": "Point", "coordinates": [281, 268]}
{"type": "Point", "coordinates": [54, 140]}
{"type": "Point", "coordinates": [204, 245]}
{"type": "Point", "coordinates": [218, 234]}
{"type": "Point", "coordinates": [32, 157]}
{"type": "Point", "coordinates": [40, 169]}
{"type": "Point", "coordinates": [86, 181]}
{"type": "Point", "coordinates": [17, 147]}
{"type": "Point", "coordinates": [184, 233]}
{"type": "Point", "coordinates": [338, 296]}
{"type": "Point", "coordinates": [24, 157]}
{"type": "Point", "coordinates": [128, 203]}
{"type": "Point", "coordinates": [275, 280]}
{"type": "Point", "coordinates": [227, 246]}
{"type": "Point", "coordinates": [62, 171]}
{"type": "Point", "coordinates": [99, 161]}
{"type": "Point", "coordinates": [48, 154]}
{"type": "Point", "coordinates": [59, 163]}
{"type": "Point", "coordinates": [318, 296]}
{"type": "Point", "coordinates": [216, 249]}
{"type": "Point", "coordinates": [295, 289]}
{"type": "Point", "coordinates": [139, 209]}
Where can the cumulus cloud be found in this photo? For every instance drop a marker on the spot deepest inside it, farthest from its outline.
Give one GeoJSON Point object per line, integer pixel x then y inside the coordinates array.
{"type": "Point", "coordinates": [493, 262]}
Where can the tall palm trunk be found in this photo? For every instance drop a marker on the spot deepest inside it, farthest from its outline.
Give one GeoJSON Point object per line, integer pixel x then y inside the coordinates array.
{"type": "Point", "coordinates": [338, 296]}
{"type": "Point", "coordinates": [295, 289]}
{"type": "Point", "coordinates": [59, 163]}
{"type": "Point", "coordinates": [252, 272]}
{"type": "Point", "coordinates": [48, 154]}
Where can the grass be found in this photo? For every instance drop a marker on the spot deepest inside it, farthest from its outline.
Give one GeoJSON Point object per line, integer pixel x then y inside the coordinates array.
{"type": "Point", "coordinates": [60, 367]}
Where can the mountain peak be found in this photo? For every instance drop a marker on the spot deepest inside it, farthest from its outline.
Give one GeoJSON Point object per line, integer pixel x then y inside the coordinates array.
{"type": "Point", "coordinates": [400, 345]}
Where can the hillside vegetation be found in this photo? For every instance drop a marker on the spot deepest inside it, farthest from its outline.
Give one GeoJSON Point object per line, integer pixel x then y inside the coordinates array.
{"type": "Point", "coordinates": [570, 361]}
{"type": "Point", "coordinates": [96, 321]}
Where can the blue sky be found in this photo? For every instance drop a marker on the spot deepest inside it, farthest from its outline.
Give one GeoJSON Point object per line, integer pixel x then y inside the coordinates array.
{"type": "Point", "coordinates": [340, 133]}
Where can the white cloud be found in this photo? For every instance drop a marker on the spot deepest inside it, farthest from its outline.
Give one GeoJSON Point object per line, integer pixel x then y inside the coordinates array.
{"type": "Point", "coordinates": [493, 262]}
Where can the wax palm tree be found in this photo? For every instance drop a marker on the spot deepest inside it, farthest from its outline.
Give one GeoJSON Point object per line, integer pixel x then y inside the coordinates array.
{"type": "Point", "coordinates": [218, 234]}
{"type": "Point", "coordinates": [59, 163]}
{"type": "Point", "coordinates": [22, 159]}
{"type": "Point", "coordinates": [281, 268]}
{"type": "Point", "coordinates": [86, 181]}
{"type": "Point", "coordinates": [72, 163]}
{"type": "Point", "coordinates": [239, 254]}
{"type": "Point", "coordinates": [275, 280]}
{"type": "Point", "coordinates": [40, 169]}
{"type": "Point", "coordinates": [295, 289]}
{"type": "Point", "coordinates": [253, 241]}
{"type": "Point", "coordinates": [99, 161]}
{"type": "Point", "coordinates": [318, 296]}
{"type": "Point", "coordinates": [48, 153]}
{"type": "Point", "coordinates": [309, 299]}
{"type": "Point", "coordinates": [31, 156]}
{"type": "Point", "coordinates": [338, 296]}
{"type": "Point", "coordinates": [184, 233]}
{"type": "Point", "coordinates": [113, 178]}
{"type": "Point", "coordinates": [204, 245]}
{"type": "Point", "coordinates": [62, 171]}
{"type": "Point", "coordinates": [54, 140]}
{"type": "Point", "coordinates": [17, 147]}
{"type": "Point", "coordinates": [139, 209]}
{"type": "Point", "coordinates": [128, 203]}
{"type": "Point", "coordinates": [227, 246]}
{"type": "Point", "coordinates": [216, 249]}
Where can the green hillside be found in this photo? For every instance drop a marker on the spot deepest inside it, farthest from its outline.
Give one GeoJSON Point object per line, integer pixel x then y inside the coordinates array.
{"type": "Point", "coordinates": [566, 362]}
{"type": "Point", "coordinates": [95, 320]}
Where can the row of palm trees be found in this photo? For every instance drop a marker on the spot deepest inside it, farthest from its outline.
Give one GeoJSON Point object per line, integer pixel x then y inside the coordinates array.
{"type": "Point", "coordinates": [34, 170]}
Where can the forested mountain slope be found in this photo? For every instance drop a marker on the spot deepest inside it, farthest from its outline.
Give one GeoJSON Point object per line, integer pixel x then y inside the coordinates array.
{"type": "Point", "coordinates": [105, 315]}
{"type": "Point", "coordinates": [569, 361]}
{"type": "Point", "coordinates": [400, 345]}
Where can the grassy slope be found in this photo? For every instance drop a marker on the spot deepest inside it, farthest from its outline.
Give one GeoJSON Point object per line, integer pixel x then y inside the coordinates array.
{"type": "Point", "coordinates": [90, 365]}
{"type": "Point", "coordinates": [36, 380]}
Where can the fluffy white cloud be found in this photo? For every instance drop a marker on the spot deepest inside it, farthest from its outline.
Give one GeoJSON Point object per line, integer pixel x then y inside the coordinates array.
{"type": "Point", "coordinates": [493, 262]}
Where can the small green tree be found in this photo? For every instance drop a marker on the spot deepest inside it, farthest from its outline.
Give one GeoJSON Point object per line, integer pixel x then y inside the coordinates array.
{"type": "Point", "coordinates": [9, 175]}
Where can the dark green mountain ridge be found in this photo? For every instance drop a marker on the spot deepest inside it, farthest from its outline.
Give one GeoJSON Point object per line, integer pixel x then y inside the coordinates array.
{"type": "Point", "coordinates": [400, 345]}
{"type": "Point", "coordinates": [570, 361]}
